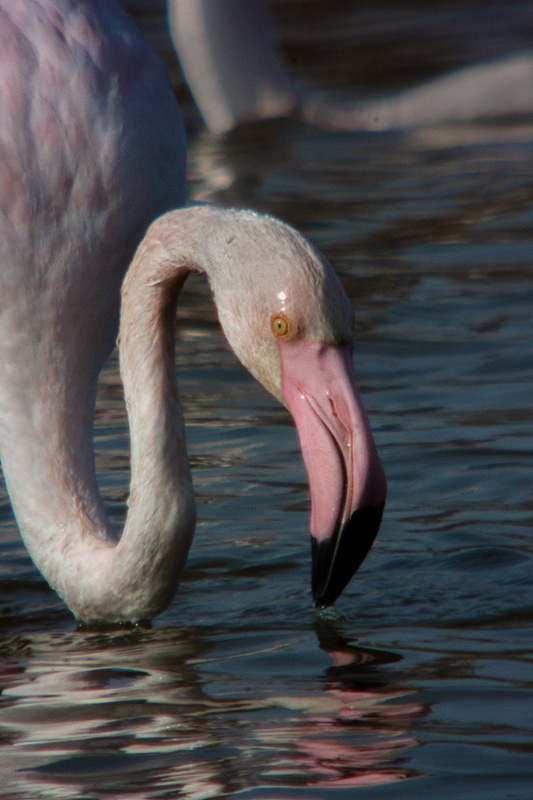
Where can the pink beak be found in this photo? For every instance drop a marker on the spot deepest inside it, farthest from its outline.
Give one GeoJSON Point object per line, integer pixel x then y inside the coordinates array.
{"type": "Point", "coordinates": [346, 479]}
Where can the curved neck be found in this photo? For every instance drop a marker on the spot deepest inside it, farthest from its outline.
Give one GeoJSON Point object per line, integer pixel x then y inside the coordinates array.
{"type": "Point", "coordinates": [161, 511]}
{"type": "Point", "coordinates": [58, 509]}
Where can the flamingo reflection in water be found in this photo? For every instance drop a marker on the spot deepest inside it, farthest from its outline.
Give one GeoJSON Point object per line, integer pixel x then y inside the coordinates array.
{"type": "Point", "coordinates": [144, 708]}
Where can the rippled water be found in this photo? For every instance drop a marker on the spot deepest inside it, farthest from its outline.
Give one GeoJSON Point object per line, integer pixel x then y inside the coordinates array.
{"type": "Point", "coordinates": [420, 685]}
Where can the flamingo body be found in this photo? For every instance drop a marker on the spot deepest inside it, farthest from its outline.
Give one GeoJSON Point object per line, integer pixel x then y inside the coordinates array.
{"type": "Point", "coordinates": [92, 149]}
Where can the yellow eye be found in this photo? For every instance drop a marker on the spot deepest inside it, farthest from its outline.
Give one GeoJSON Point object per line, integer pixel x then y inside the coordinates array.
{"type": "Point", "coordinates": [281, 327]}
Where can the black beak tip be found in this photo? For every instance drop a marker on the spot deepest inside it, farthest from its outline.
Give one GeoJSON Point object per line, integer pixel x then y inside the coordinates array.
{"type": "Point", "coordinates": [337, 559]}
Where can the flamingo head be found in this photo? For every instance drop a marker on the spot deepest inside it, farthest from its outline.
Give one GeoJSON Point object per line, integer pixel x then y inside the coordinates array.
{"type": "Point", "coordinates": [288, 319]}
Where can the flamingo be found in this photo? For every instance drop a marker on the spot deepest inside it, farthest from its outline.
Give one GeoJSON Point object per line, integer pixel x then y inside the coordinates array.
{"type": "Point", "coordinates": [92, 188]}
{"type": "Point", "coordinates": [234, 68]}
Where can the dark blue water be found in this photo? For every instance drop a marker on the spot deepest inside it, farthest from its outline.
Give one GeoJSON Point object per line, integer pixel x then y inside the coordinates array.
{"type": "Point", "coordinates": [419, 685]}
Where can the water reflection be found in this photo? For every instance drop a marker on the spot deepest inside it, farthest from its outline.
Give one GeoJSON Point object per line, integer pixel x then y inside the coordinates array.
{"type": "Point", "coordinates": [174, 709]}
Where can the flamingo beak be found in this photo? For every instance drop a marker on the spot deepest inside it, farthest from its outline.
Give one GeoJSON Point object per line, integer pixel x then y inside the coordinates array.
{"type": "Point", "coordinates": [346, 479]}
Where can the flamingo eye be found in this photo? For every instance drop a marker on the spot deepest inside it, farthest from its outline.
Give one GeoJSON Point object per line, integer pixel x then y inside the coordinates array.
{"type": "Point", "coordinates": [281, 327]}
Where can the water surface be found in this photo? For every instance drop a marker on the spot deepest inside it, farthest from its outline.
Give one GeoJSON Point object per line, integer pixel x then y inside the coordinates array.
{"type": "Point", "coordinates": [419, 686]}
